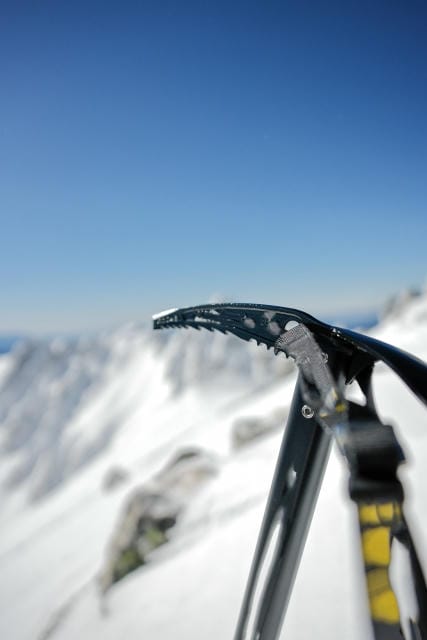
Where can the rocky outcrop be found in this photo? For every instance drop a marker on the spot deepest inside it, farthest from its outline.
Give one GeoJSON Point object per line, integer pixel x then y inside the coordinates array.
{"type": "Point", "coordinates": [151, 511]}
{"type": "Point", "coordinates": [397, 304]}
{"type": "Point", "coordinates": [114, 478]}
{"type": "Point", "coordinates": [249, 428]}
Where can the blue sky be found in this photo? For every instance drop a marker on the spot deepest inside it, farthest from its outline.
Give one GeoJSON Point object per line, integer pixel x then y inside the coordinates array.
{"type": "Point", "coordinates": [153, 154]}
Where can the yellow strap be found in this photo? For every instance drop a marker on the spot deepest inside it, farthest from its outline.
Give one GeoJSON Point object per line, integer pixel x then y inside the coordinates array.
{"type": "Point", "coordinates": [376, 546]}
{"type": "Point", "coordinates": [376, 521]}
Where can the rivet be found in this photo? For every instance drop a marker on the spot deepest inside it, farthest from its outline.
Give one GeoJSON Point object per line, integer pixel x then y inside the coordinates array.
{"type": "Point", "coordinates": [307, 412]}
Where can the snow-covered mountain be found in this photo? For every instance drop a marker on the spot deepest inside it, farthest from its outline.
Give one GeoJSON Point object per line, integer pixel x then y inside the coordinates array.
{"type": "Point", "coordinates": [64, 402]}
{"type": "Point", "coordinates": [76, 415]}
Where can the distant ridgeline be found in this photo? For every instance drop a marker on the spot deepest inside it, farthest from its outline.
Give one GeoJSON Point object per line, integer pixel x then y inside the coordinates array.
{"type": "Point", "coordinates": [351, 321]}
{"type": "Point", "coordinates": [7, 342]}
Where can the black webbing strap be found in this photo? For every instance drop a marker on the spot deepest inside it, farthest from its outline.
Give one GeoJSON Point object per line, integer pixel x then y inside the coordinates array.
{"type": "Point", "coordinates": [373, 455]}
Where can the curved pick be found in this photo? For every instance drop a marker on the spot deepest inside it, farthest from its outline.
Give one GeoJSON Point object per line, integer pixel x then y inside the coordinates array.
{"type": "Point", "coordinates": [265, 323]}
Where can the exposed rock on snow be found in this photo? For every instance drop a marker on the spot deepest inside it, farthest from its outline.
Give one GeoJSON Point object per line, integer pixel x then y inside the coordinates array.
{"type": "Point", "coordinates": [249, 428]}
{"type": "Point", "coordinates": [114, 478]}
{"type": "Point", "coordinates": [151, 511]}
{"type": "Point", "coordinates": [145, 521]}
{"type": "Point", "coordinates": [397, 304]}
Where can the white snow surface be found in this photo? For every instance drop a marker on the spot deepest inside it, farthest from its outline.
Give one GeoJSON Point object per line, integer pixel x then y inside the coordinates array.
{"type": "Point", "coordinates": [70, 411]}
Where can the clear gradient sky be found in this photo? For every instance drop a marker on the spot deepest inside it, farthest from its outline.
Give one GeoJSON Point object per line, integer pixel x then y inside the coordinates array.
{"type": "Point", "coordinates": [155, 153]}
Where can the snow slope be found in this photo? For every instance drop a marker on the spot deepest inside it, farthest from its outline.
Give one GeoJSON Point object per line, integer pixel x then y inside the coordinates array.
{"type": "Point", "coordinates": [69, 412]}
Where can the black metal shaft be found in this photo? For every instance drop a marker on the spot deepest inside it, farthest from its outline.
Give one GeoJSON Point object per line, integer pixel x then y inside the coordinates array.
{"type": "Point", "coordinates": [293, 495]}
